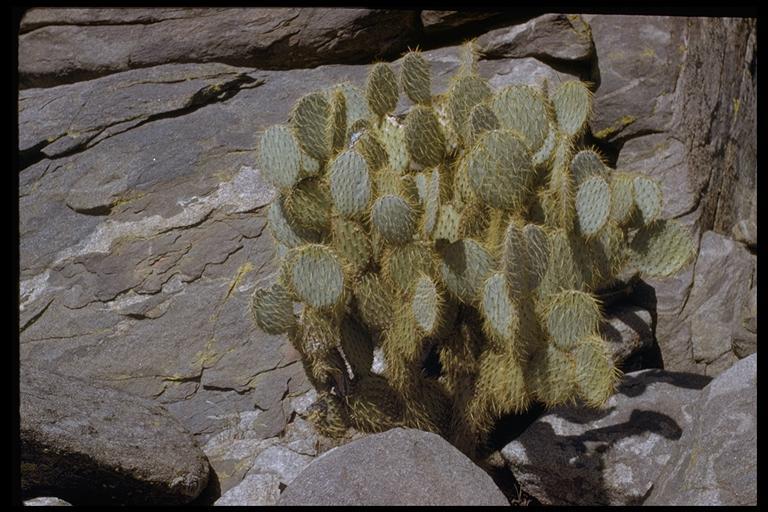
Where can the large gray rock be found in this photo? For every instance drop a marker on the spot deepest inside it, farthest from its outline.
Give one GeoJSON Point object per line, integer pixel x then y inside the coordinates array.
{"type": "Point", "coordinates": [441, 22]}
{"type": "Point", "coordinates": [397, 467]}
{"type": "Point", "coordinates": [610, 456]}
{"type": "Point", "coordinates": [638, 59]}
{"type": "Point", "coordinates": [93, 444]}
{"type": "Point", "coordinates": [554, 36]}
{"type": "Point", "coordinates": [261, 489]}
{"type": "Point", "coordinates": [46, 502]}
{"type": "Point", "coordinates": [63, 46]}
{"type": "Point", "coordinates": [715, 461]}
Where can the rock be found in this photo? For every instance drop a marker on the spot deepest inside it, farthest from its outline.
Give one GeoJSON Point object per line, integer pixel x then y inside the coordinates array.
{"type": "Point", "coordinates": [59, 46]}
{"type": "Point", "coordinates": [715, 461]}
{"type": "Point", "coordinates": [639, 59]}
{"type": "Point", "coordinates": [119, 448]}
{"type": "Point", "coordinates": [441, 22]}
{"type": "Point", "coordinates": [722, 280]}
{"type": "Point", "coordinates": [629, 333]}
{"type": "Point", "coordinates": [610, 456]}
{"type": "Point", "coordinates": [281, 461]}
{"type": "Point", "coordinates": [397, 467]}
{"type": "Point", "coordinates": [554, 36]}
{"type": "Point", "coordinates": [262, 489]}
{"type": "Point", "coordinates": [745, 334]}
{"type": "Point", "coordinates": [46, 502]}
{"type": "Point", "coordinates": [662, 157]}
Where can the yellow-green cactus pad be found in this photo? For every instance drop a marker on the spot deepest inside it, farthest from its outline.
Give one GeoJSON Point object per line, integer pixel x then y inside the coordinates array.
{"type": "Point", "coordinates": [394, 219]}
{"type": "Point", "coordinates": [317, 277]}
{"type": "Point", "coordinates": [280, 157]}
{"type": "Point", "coordinates": [351, 243]}
{"type": "Point", "coordinates": [573, 105]}
{"type": "Point", "coordinates": [500, 169]}
{"type": "Point", "coordinates": [648, 198]}
{"type": "Point", "coordinates": [499, 312]}
{"type": "Point", "coordinates": [426, 305]}
{"type": "Point", "coordinates": [381, 90]}
{"type": "Point", "coordinates": [350, 183]}
{"type": "Point", "coordinates": [310, 119]}
{"type": "Point", "coordinates": [596, 374]}
{"type": "Point", "coordinates": [523, 109]}
{"type": "Point", "coordinates": [464, 93]}
{"type": "Point", "coordinates": [571, 315]}
{"type": "Point", "coordinates": [273, 309]}
{"type": "Point", "coordinates": [661, 248]}
{"type": "Point", "coordinates": [375, 302]}
{"type": "Point", "coordinates": [415, 78]}
{"type": "Point", "coordinates": [424, 136]}
{"type": "Point", "coordinates": [593, 204]}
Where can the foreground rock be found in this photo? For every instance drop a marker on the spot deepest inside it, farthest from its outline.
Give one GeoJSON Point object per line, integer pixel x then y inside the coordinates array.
{"type": "Point", "coordinates": [610, 456]}
{"type": "Point", "coordinates": [46, 502]}
{"type": "Point", "coordinates": [715, 461]}
{"type": "Point", "coordinates": [92, 444]}
{"type": "Point", "coordinates": [397, 467]}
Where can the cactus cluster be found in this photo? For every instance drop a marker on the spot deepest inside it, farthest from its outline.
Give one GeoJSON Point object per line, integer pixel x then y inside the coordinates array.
{"type": "Point", "coordinates": [475, 231]}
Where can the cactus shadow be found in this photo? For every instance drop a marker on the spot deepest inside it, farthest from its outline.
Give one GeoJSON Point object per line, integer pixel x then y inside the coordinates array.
{"type": "Point", "coordinates": [581, 458]}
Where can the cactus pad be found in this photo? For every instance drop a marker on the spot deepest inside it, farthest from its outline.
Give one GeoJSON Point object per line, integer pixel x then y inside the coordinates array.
{"type": "Point", "coordinates": [394, 219]}
{"type": "Point", "coordinates": [593, 204]}
{"type": "Point", "coordinates": [280, 157]}
{"type": "Point", "coordinates": [661, 249]}
{"type": "Point", "coordinates": [317, 277]}
{"type": "Point", "coordinates": [350, 183]}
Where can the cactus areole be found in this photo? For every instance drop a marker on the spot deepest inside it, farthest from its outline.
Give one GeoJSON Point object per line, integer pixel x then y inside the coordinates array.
{"type": "Point", "coordinates": [476, 230]}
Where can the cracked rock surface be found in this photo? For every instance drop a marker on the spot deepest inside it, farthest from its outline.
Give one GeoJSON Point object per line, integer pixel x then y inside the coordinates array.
{"type": "Point", "coordinates": [142, 210]}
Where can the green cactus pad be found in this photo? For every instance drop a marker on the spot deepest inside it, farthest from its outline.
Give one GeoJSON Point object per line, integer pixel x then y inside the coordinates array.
{"type": "Point", "coordinates": [608, 254]}
{"type": "Point", "coordinates": [593, 204]}
{"type": "Point", "coordinates": [394, 219]}
{"type": "Point", "coordinates": [338, 121]}
{"type": "Point", "coordinates": [393, 138]}
{"type": "Point", "coordinates": [553, 375]}
{"type": "Point", "coordinates": [622, 197]}
{"type": "Point", "coordinates": [481, 119]}
{"type": "Point", "coordinates": [280, 157]}
{"type": "Point", "coordinates": [309, 205]}
{"type": "Point", "coordinates": [597, 376]}
{"type": "Point", "coordinates": [351, 243]}
{"type": "Point", "coordinates": [381, 90]}
{"type": "Point", "coordinates": [320, 334]}
{"type": "Point", "coordinates": [357, 105]}
{"type": "Point", "coordinates": [403, 264]}
{"type": "Point", "coordinates": [501, 388]}
{"type": "Point", "coordinates": [573, 105]}
{"type": "Point", "coordinates": [500, 169]}
{"type": "Point", "coordinates": [273, 309]}
{"type": "Point", "coordinates": [514, 258]}
{"type": "Point", "coordinates": [523, 109]}
{"type": "Point", "coordinates": [415, 78]}
{"type": "Point", "coordinates": [586, 164]}
{"type": "Point", "coordinates": [431, 201]}
{"type": "Point", "coordinates": [545, 153]}
{"type": "Point", "coordinates": [309, 166]}
{"type": "Point", "coordinates": [375, 302]}
{"type": "Point", "coordinates": [563, 273]}
{"type": "Point", "coordinates": [558, 200]}
{"type": "Point", "coordinates": [570, 316]}
{"type": "Point", "coordinates": [426, 305]}
{"type": "Point", "coordinates": [537, 251]}
{"type": "Point", "coordinates": [310, 119]}
{"type": "Point", "coordinates": [286, 231]}
{"type": "Point", "coordinates": [448, 224]}
{"type": "Point", "coordinates": [350, 183]}
{"type": "Point", "coordinates": [374, 406]}
{"type": "Point", "coordinates": [372, 150]}
{"type": "Point", "coordinates": [464, 266]}
{"type": "Point", "coordinates": [648, 198]}
{"type": "Point", "coordinates": [424, 137]}
{"type": "Point", "coordinates": [499, 312]}
{"type": "Point", "coordinates": [464, 93]}
{"type": "Point", "coordinates": [317, 277]}
{"type": "Point", "coordinates": [661, 248]}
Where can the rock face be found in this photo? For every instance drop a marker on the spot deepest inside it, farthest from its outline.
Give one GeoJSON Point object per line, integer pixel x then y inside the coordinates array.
{"type": "Point", "coordinates": [46, 502]}
{"type": "Point", "coordinates": [92, 444]}
{"type": "Point", "coordinates": [715, 461]}
{"type": "Point", "coordinates": [67, 45]}
{"type": "Point", "coordinates": [397, 467]}
{"type": "Point", "coordinates": [610, 456]}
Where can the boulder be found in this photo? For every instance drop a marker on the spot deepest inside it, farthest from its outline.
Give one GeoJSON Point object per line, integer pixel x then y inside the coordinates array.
{"type": "Point", "coordinates": [93, 444]}
{"type": "Point", "coordinates": [628, 329]}
{"type": "Point", "coordinates": [397, 467]}
{"type": "Point", "coordinates": [451, 22]}
{"type": "Point", "coordinates": [63, 46]}
{"type": "Point", "coordinates": [715, 461]}
{"type": "Point", "coordinates": [574, 455]}
{"type": "Point", "coordinates": [553, 36]}
{"type": "Point", "coordinates": [261, 489]}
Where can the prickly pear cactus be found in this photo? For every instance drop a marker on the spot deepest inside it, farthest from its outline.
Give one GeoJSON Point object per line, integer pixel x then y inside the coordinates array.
{"type": "Point", "coordinates": [477, 230]}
